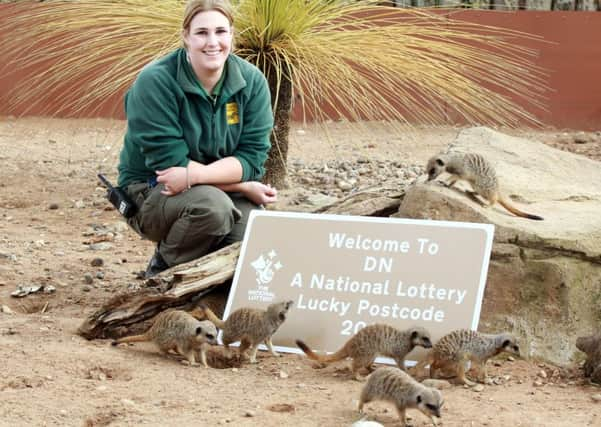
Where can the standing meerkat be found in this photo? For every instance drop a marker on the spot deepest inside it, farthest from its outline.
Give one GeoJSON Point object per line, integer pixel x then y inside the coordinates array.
{"type": "Point", "coordinates": [371, 341]}
{"type": "Point", "coordinates": [399, 388]}
{"type": "Point", "coordinates": [591, 345]}
{"type": "Point", "coordinates": [178, 331]}
{"type": "Point", "coordinates": [251, 326]}
{"type": "Point", "coordinates": [476, 170]}
{"type": "Point", "coordinates": [456, 348]}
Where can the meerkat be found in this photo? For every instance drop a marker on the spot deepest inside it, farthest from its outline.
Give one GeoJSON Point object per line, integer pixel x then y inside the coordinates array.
{"type": "Point", "coordinates": [251, 326]}
{"type": "Point", "coordinates": [395, 386]}
{"type": "Point", "coordinates": [591, 345]}
{"type": "Point", "coordinates": [177, 330]}
{"type": "Point", "coordinates": [476, 170]}
{"type": "Point", "coordinates": [371, 341]}
{"type": "Point", "coordinates": [453, 350]}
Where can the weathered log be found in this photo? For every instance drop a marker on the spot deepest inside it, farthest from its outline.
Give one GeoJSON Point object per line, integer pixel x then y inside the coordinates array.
{"type": "Point", "coordinates": [378, 202]}
{"type": "Point", "coordinates": [179, 287]}
{"type": "Point", "coordinates": [184, 285]}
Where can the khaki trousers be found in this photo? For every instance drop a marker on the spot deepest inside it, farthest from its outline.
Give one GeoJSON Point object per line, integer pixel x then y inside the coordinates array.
{"type": "Point", "coordinates": [190, 224]}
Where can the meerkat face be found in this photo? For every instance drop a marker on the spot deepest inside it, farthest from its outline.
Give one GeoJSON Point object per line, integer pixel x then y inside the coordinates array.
{"type": "Point", "coordinates": [510, 346]}
{"type": "Point", "coordinates": [207, 332]}
{"type": "Point", "coordinates": [429, 402]}
{"type": "Point", "coordinates": [419, 336]}
{"type": "Point", "coordinates": [435, 167]}
{"type": "Point", "coordinates": [280, 309]}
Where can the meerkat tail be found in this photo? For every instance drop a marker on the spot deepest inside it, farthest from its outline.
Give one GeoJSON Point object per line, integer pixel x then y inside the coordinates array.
{"type": "Point", "coordinates": [505, 203]}
{"type": "Point", "coordinates": [325, 358]}
{"type": "Point", "coordinates": [132, 338]}
{"type": "Point", "coordinates": [213, 318]}
{"type": "Point", "coordinates": [198, 313]}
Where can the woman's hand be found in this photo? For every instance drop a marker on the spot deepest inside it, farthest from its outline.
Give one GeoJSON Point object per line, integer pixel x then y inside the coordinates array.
{"type": "Point", "coordinates": [258, 192]}
{"type": "Point", "coordinates": [175, 180]}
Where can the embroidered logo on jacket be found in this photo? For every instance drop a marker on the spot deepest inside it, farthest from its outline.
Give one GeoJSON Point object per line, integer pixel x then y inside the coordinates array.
{"type": "Point", "coordinates": [231, 111]}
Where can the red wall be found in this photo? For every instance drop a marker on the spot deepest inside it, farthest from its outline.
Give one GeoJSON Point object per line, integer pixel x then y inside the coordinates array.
{"type": "Point", "coordinates": [573, 58]}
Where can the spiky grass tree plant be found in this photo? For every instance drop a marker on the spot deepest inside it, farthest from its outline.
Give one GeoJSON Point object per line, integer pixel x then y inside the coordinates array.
{"type": "Point", "coordinates": [337, 58]}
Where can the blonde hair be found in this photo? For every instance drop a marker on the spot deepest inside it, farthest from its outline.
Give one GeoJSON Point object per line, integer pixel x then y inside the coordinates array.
{"type": "Point", "coordinates": [193, 7]}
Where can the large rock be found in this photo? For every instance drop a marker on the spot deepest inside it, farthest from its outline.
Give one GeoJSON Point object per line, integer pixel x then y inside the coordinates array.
{"type": "Point", "coordinates": [544, 280]}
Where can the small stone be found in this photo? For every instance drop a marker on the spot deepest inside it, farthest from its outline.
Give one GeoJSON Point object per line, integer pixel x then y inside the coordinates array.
{"type": "Point", "coordinates": [249, 414]}
{"type": "Point", "coordinates": [344, 185]}
{"type": "Point", "coordinates": [281, 407]}
{"type": "Point", "coordinates": [88, 278]}
{"type": "Point", "coordinates": [97, 262]}
{"type": "Point", "coordinates": [102, 246]}
{"type": "Point", "coordinates": [86, 288]}
{"type": "Point", "coordinates": [537, 383]}
{"type": "Point", "coordinates": [478, 388]}
{"type": "Point", "coordinates": [581, 138]}
{"type": "Point", "coordinates": [596, 397]}
{"type": "Point", "coordinates": [6, 309]}
{"type": "Point", "coordinates": [53, 206]}
{"type": "Point", "coordinates": [542, 374]}
{"type": "Point", "coordinates": [10, 257]}
{"type": "Point", "coordinates": [283, 375]}
{"type": "Point", "coordinates": [510, 359]}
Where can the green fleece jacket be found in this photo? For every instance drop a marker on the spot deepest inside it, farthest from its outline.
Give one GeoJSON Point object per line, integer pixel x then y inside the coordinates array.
{"type": "Point", "coordinates": [171, 120]}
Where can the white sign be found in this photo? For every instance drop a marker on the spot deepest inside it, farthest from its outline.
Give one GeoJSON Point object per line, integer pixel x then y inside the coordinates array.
{"type": "Point", "coordinates": [346, 272]}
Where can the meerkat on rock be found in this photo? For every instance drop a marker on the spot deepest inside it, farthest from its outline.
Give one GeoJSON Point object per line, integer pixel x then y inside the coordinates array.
{"type": "Point", "coordinates": [371, 341]}
{"type": "Point", "coordinates": [454, 350]}
{"type": "Point", "coordinates": [177, 330]}
{"type": "Point", "coordinates": [478, 172]}
{"type": "Point", "coordinates": [399, 388]}
{"type": "Point", "coordinates": [251, 326]}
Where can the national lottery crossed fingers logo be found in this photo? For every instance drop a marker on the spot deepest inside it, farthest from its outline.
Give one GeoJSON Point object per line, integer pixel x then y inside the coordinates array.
{"type": "Point", "coordinates": [265, 267]}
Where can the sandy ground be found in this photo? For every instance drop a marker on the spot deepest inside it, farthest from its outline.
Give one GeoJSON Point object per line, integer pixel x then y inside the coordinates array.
{"type": "Point", "coordinates": [55, 225]}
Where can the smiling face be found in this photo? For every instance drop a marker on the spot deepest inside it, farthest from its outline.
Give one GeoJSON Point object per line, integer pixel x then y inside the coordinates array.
{"type": "Point", "coordinates": [208, 40]}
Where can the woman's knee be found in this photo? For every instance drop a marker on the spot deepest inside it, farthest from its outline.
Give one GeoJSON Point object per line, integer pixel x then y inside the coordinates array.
{"type": "Point", "coordinates": [217, 215]}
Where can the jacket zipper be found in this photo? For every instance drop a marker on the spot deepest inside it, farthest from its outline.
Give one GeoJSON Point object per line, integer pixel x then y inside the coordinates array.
{"type": "Point", "coordinates": [213, 124]}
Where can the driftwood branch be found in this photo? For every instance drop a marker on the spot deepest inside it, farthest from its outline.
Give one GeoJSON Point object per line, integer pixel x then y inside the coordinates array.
{"type": "Point", "coordinates": [183, 286]}
{"type": "Point", "coordinates": [179, 287]}
{"type": "Point", "coordinates": [378, 202]}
